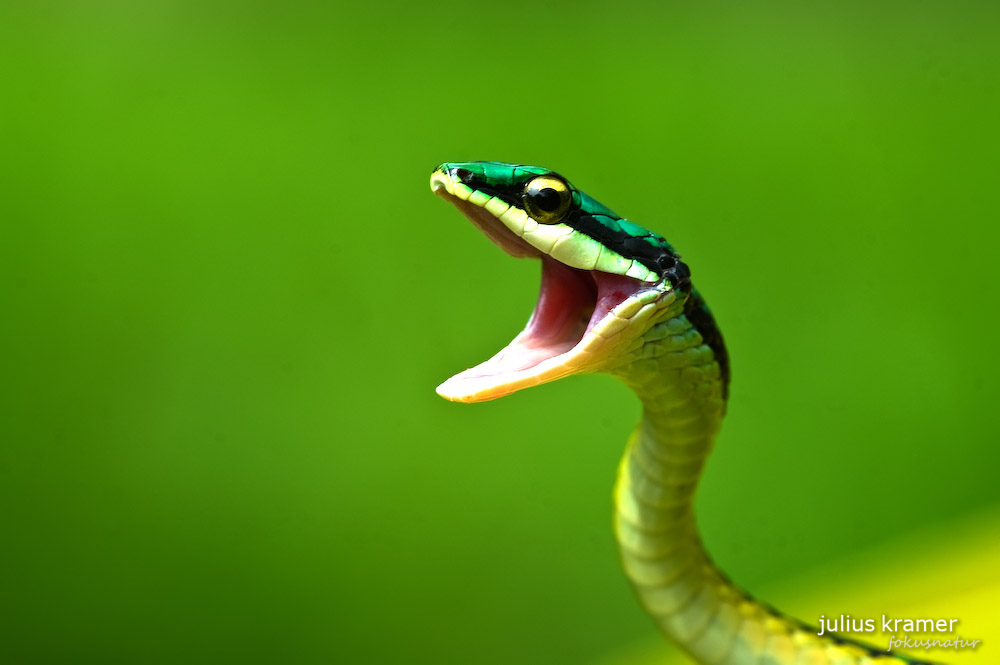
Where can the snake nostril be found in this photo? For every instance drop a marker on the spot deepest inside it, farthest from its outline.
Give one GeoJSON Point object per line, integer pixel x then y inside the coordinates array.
{"type": "Point", "coordinates": [461, 175]}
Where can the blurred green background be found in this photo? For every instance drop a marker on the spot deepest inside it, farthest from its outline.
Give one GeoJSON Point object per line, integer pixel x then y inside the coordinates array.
{"type": "Point", "coordinates": [228, 294]}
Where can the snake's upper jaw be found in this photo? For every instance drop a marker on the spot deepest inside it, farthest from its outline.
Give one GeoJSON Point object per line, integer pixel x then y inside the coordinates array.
{"type": "Point", "coordinates": [581, 319]}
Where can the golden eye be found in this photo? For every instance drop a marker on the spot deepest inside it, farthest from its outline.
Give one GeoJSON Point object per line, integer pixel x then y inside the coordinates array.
{"type": "Point", "coordinates": [547, 198]}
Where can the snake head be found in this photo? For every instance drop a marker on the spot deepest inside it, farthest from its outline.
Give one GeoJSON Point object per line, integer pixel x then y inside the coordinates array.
{"type": "Point", "coordinates": [603, 278]}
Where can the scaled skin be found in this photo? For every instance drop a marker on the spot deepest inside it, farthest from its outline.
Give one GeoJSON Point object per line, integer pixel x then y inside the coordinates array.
{"type": "Point", "coordinates": [616, 298]}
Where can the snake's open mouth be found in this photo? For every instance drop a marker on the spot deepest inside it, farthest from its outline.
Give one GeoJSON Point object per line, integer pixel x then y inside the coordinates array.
{"type": "Point", "coordinates": [577, 312]}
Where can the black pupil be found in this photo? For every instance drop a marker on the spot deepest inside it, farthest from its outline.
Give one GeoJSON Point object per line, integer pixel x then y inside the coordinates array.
{"type": "Point", "coordinates": [547, 199]}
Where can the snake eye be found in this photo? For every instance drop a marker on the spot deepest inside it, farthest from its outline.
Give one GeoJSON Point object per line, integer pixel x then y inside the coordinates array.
{"type": "Point", "coordinates": [547, 198]}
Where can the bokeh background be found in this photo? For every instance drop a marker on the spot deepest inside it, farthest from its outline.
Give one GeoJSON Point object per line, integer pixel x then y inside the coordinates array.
{"type": "Point", "coordinates": [227, 295]}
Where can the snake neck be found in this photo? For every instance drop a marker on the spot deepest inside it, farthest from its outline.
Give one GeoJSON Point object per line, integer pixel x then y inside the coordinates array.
{"type": "Point", "coordinates": [679, 370]}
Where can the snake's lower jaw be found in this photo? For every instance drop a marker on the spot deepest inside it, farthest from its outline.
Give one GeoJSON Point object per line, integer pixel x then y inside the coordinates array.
{"type": "Point", "coordinates": [490, 380]}
{"type": "Point", "coordinates": [581, 319]}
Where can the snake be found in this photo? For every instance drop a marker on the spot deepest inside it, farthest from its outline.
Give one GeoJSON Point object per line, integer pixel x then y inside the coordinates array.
{"type": "Point", "coordinates": [616, 298]}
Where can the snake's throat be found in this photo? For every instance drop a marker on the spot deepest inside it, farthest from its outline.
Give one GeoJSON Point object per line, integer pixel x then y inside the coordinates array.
{"type": "Point", "coordinates": [561, 338]}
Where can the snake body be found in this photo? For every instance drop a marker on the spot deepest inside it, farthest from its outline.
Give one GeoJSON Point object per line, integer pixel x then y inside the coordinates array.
{"type": "Point", "coordinates": [617, 298]}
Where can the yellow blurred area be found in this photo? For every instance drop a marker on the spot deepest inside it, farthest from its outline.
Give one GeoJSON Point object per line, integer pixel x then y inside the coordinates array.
{"type": "Point", "coordinates": [945, 571]}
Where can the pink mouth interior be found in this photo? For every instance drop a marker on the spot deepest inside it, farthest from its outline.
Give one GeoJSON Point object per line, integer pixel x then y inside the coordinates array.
{"type": "Point", "coordinates": [570, 303]}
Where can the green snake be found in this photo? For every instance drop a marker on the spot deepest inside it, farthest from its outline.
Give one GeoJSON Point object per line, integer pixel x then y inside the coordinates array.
{"type": "Point", "coordinates": [616, 298]}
